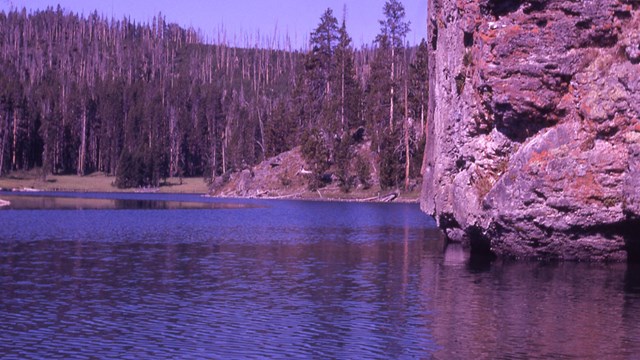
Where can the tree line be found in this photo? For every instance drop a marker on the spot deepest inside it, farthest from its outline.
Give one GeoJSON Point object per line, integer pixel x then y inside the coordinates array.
{"type": "Point", "coordinates": [145, 101]}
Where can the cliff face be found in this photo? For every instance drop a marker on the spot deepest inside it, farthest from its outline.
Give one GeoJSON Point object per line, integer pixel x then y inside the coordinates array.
{"type": "Point", "coordinates": [533, 145]}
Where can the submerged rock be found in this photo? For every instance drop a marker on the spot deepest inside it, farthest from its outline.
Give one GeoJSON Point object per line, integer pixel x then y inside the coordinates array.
{"type": "Point", "coordinates": [533, 146]}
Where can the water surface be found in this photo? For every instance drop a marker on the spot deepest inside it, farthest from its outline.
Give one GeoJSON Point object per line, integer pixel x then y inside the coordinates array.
{"type": "Point", "coordinates": [238, 279]}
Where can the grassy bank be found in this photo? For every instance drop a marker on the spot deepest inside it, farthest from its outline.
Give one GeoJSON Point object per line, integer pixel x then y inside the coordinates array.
{"type": "Point", "coordinates": [97, 182]}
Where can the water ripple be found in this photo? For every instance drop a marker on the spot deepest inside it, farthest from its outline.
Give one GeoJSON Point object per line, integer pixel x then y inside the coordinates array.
{"type": "Point", "coordinates": [218, 284]}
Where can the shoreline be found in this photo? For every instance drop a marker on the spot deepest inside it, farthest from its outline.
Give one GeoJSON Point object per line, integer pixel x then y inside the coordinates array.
{"type": "Point", "coordinates": [307, 196]}
{"type": "Point", "coordinates": [32, 183]}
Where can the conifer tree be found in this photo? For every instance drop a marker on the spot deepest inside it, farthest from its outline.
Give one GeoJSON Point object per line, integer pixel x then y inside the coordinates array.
{"type": "Point", "coordinates": [419, 91]}
{"type": "Point", "coordinates": [346, 81]}
{"type": "Point", "coordinates": [393, 28]}
{"type": "Point", "coordinates": [377, 101]}
{"type": "Point", "coordinates": [319, 70]}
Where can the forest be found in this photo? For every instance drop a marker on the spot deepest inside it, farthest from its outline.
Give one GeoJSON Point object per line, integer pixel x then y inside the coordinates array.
{"type": "Point", "coordinates": [147, 101]}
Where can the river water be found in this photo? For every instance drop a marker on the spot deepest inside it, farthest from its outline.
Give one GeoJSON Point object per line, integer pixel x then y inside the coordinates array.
{"type": "Point", "coordinates": [133, 276]}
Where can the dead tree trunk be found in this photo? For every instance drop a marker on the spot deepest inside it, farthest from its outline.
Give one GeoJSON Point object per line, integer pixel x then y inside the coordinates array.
{"type": "Point", "coordinates": [3, 140]}
{"type": "Point", "coordinates": [83, 142]}
{"type": "Point", "coordinates": [342, 93]}
{"type": "Point", "coordinates": [225, 139]}
{"type": "Point", "coordinates": [393, 68]}
{"type": "Point", "coordinates": [407, 123]}
{"type": "Point", "coordinates": [214, 151]}
{"type": "Point", "coordinates": [173, 143]}
{"type": "Point", "coordinates": [15, 140]}
{"type": "Point", "coordinates": [261, 142]}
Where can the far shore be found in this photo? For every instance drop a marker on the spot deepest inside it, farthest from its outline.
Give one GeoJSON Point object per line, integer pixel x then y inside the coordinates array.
{"type": "Point", "coordinates": [97, 182]}
{"type": "Point", "coordinates": [27, 182]}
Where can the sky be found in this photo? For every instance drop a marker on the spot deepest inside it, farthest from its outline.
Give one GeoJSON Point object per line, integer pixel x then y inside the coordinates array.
{"type": "Point", "coordinates": [247, 18]}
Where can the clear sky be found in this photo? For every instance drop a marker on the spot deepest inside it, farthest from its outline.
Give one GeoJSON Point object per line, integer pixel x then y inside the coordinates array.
{"type": "Point", "coordinates": [247, 18]}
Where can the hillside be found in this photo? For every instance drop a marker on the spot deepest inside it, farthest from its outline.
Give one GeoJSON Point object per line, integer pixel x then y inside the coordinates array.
{"type": "Point", "coordinates": [146, 101]}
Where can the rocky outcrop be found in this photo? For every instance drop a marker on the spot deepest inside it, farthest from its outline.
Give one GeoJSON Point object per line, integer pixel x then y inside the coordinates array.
{"type": "Point", "coordinates": [286, 175]}
{"type": "Point", "coordinates": [279, 176]}
{"type": "Point", "coordinates": [533, 147]}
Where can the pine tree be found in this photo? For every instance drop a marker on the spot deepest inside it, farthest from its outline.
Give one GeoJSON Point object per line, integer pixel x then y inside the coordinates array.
{"type": "Point", "coordinates": [393, 29]}
{"type": "Point", "coordinates": [377, 102]}
{"type": "Point", "coordinates": [320, 98]}
{"type": "Point", "coordinates": [418, 97]}
{"type": "Point", "coordinates": [419, 89]}
{"type": "Point", "coordinates": [321, 60]}
{"type": "Point", "coordinates": [319, 71]}
{"type": "Point", "coordinates": [345, 79]}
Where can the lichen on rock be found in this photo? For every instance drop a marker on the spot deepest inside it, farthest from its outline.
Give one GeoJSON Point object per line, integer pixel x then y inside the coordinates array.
{"type": "Point", "coordinates": [535, 151]}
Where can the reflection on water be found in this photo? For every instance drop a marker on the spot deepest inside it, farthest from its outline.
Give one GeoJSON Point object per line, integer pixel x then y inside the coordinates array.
{"type": "Point", "coordinates": [532, 310]}
{"type": "Point", "coordinates": [285, 279]}
{"type": "Point", "coordinates": [49, 202]}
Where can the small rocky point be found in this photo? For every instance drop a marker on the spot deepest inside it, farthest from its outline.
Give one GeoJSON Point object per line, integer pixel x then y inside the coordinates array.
{"type": "Point", "coordinates": [285, 176]}
{"type": "Point", "coordinates": [533, 146]}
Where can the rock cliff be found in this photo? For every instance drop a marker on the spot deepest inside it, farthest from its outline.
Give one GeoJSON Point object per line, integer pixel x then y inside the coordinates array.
{"type": "Point", "coordinates": [533, 145]}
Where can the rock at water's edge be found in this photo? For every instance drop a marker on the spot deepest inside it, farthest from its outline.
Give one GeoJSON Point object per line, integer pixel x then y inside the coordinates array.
{"type": "Point", "coordinates": [533, 145]}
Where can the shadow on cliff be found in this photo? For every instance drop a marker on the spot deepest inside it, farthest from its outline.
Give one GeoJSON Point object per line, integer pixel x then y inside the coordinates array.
{"type": "Point", "coordinates": [631, 232]}
{"type": "Point", "coordinates": [477, 257]}
{"type": "Point", "coordinates": [481, 254]}
{"type": "Point", "coordinates": [632, 279]}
